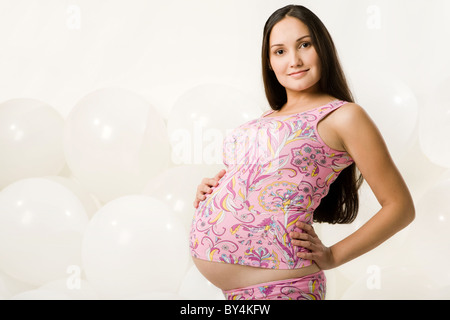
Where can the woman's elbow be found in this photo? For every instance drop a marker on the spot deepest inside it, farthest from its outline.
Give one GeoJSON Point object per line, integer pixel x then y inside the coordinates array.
{"type": "Point", "coordinates": [409, 212]}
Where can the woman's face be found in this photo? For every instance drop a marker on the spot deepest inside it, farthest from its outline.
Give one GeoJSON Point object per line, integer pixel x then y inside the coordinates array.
{"type": "Point", "coordinates": [293, 57]}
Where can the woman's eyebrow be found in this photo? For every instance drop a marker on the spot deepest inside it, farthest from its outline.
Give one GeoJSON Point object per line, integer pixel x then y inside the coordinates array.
{"type": "Point", "coordinates": [299, 39]}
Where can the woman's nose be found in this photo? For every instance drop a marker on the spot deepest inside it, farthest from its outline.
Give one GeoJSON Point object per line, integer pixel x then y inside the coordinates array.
{"type": "Point", "coordinates": [295, 59]}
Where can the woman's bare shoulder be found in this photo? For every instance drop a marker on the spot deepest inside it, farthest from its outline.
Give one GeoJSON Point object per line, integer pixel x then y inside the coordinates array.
{"type": "Point", "coordinates": [350, 110]}
{"type": "Point", "coordinates": [350, 114]}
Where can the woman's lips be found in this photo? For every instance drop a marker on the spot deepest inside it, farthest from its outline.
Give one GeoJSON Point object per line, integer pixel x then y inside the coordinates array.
{"type": "Point", "coordinates": [298, 73]}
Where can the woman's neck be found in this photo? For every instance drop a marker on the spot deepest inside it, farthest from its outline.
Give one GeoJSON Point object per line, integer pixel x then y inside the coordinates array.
{"type": "Point", "coordinates": [303, 100]}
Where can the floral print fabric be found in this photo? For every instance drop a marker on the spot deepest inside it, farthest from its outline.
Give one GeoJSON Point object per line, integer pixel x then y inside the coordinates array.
{"type": "Point", "coordinates": [310, 287]}
{"type": "Point", "coordinates": [278, 170]}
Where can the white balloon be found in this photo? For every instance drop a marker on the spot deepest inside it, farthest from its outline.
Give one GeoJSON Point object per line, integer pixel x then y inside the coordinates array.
{"type": "Point", "coordinates": [393, 283]}
{"type": "Point", "coordinates": [391, 104]}
{"type": "Point", "coordinates": [331, 284]}
{"type": "Point", "coordinates": [80, 290]}
{"type": "Point", "coordinates": [41, 294]}
{"type": "Point", "coordinates": [434, 126]}
{"type": "Point", "coordinates": [10, 286]}
{"type": "Point", "coordinates": [89, 202]}
{"type": "Point", "coordinates": [4, 292]}
{"type": "Point", "coordinates": [444, 293]}
{"type": "Point", "coordinates": [339, 284]}
{"type": "Point", "coordinates": [114, 141]}
{"type": "Point", "coordinates": [380, 256]}
{"type": "Point", "coordinates": [155, 296]}
{"type": "Point", "coordinates": [31, 134]}
{"type": "Point", "coordinates": [420, 174]}
{"type": "Point", "coordinates": [200, 119]}
{"type": "Point", "coordinates": [196, 287]}
{"type": "Point", "coordinates": [41, 227]}
{"type": "Point", "coordinates": [177, 187]}
{"type": "Point", "coordinates": [429, 238]}
{"type": "Point", "coordinates": [133, 245]}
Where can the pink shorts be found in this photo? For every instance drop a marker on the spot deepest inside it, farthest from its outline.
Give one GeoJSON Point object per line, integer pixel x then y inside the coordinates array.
{"type": "Point", "coordinates": [310, 287]}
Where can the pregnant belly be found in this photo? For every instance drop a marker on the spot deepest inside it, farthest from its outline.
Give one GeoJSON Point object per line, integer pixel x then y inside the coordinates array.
{"type": "Point", "coordinates": [232, 276]}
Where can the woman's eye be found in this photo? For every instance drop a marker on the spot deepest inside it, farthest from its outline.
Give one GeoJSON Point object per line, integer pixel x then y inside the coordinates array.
{"type": "Point", "coordinates": [279, 52]}
{"type": "Point", "coordinates": [305, 45]}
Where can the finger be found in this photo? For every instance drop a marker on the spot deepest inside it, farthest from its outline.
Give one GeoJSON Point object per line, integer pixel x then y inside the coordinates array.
{"type": "Point", "coordinates": [306, 255]}
{"type": "Point", "coordinates": [307, 228]}
{"type": "Point", "coordinates": [311, 246]}
{"type": "Point", "coordinates": [220, 174]}
{"type": "Point", "coordinates": [213, 182]}
{"type": "Point", "coordinates": [207, 182]}
{"type": "Point", "coordinates": [210, 182]}
{"type": "Point", "coordinates": [296, 243]}
{"type": "Point", "coordinates": [305, 244]}
{"type": "Point", "coordinates": [200, 196]}
{"type": "Point", "coordinates": [304, 226]}
{"type": "Point", "coordinates": [298, 236]}
{"type": "Point", "coordinates": [203, 188]}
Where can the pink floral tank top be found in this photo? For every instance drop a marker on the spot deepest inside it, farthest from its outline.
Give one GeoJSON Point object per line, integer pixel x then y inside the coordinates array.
{"type": "Point", "coordinates": [278, 170]}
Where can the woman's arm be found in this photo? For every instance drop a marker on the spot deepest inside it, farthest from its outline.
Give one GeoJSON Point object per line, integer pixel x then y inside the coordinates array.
{"type": "Point", "coordinates": [363, 141]}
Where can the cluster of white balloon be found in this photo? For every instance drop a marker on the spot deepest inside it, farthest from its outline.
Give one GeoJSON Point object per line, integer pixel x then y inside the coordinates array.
{"type": "Point", "coordinates": [405, 266]}
{"type": "Point", "coordinates": [98, 205]}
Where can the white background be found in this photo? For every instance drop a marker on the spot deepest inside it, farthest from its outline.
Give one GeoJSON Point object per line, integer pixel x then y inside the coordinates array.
{"type": "Point", "coordinates": [183, 73]}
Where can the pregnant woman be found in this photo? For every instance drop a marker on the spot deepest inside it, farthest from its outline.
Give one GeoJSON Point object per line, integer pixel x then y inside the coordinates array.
{"type": "Point", "coordinates": [252, 234]}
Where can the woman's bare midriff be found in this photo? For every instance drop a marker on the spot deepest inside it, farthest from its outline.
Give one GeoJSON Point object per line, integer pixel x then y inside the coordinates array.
{"type": "Point", "coordinates": [232, 276]}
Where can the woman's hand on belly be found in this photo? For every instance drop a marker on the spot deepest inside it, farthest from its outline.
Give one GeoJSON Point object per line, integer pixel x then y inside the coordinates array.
{"type": "Point", "coordinates": [308, 239]}
{"type": "Point", "coordinates": [205, 187]}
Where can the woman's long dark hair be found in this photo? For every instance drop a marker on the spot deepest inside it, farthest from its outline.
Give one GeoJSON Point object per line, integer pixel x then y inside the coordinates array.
{"type": "Point", "coordinates": [341, 204]}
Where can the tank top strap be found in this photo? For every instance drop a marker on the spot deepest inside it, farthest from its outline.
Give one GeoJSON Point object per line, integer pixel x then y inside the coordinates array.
{"type": "Point", "coordinates": [267, 113]}
{"type": "Point", "coordinates": [323, 111]}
